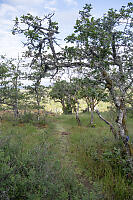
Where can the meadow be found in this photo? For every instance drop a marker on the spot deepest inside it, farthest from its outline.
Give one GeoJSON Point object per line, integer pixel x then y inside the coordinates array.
{"type": "Point", "coordinates": [55, 159]}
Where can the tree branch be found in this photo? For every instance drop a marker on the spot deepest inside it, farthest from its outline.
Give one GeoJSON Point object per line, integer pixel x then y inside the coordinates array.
{"type": "Point", "coordinates": [107, 122]}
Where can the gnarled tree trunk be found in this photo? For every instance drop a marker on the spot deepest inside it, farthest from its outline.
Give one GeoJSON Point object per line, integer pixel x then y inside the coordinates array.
{"type": "Point", "coordinates": [119, 102]}
{"type": "Point", "coordinates": [122, 129]}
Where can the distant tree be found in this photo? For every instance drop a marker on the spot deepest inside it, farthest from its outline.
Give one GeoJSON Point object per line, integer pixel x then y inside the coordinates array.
{"type": "Point", "coordinates": [10, 83]}
{"type": "Point", "coordinates": [92, 93]}
{"type": "Point", "coordinates": [104, 45]}
{"type": "Point", "coordinates": [61, 92]}
{"type": "Point", "coordinates": [37, 94]}
{"type": "Point", "coordinates": [75, 87]}
{"type": "Point", "coordinates": [67, 93]}
{"type": "Point", "coordinates": [3, 77]}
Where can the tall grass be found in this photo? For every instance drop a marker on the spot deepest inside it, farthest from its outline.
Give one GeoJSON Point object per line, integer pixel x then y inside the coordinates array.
{"type": "Point", "coordinates": [34, 164]}
{"type": "Point", "coordinates": [99, 157]}
{"type": "Point", "coordinates": [30, 168]}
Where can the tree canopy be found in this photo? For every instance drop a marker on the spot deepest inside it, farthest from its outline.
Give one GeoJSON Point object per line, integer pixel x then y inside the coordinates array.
{"type": "Point", "coordinates": [101, 49]}
{"type": "Point", "coordinates": [104, 45]}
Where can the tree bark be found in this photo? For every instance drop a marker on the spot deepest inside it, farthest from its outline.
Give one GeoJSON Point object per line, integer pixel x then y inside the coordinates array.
{"type": "Point", "coordinates": [15, 109]}
{"type": "Point", "coordinates": [92, 112]}
{"type": "Point", "coordinates": [77, 114]}
{"type": "Point", "coordinates": [121, 122]}
{"type": "Point", "coordinates": [88, 105]}
{"type": "Point", "coordinates": [119, 103]}
{"type": "Point", "coordinates": [15, 106]}
{"type": "Point", "coordinates": [38, 108]}
{"type": "Point", "coordinates": [37, 100]}
{"type": "Point", "coordinates": [92, 117]}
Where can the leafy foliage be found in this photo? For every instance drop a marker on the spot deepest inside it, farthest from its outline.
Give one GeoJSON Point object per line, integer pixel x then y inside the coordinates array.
{"type": "Point", "coordinates": [64, 92]}
{"type": "Point", "coordinates": [10, 83]}
{"type": "Point", "coordinates": [105, 46]}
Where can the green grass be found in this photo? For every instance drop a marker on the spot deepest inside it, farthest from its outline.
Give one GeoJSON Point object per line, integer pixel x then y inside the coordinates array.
{"type": "Point", "coordinates": [38, 162]}
{"type": "Point", "coordinates": [98, 157]}
{"type": "Point", "coordinates": [30, 164]}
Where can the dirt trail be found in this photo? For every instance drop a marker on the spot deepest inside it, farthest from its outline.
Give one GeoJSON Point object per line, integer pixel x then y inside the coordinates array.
{"type": "Point", "coordinates": [63, 143]}
{"type": "Point", "coordinates": [66, 159]}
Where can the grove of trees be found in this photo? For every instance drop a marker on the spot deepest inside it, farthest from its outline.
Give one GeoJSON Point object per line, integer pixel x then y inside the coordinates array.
{"type": "Point", "coordinates": [101, 49]}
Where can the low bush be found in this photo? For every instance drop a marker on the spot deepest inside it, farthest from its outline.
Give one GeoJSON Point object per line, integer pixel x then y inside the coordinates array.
{"type": "Point", "coordinates": [36, 173]}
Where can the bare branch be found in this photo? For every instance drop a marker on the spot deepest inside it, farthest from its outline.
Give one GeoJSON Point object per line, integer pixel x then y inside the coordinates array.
{"type": "Point", "coordinates": [107, 122]}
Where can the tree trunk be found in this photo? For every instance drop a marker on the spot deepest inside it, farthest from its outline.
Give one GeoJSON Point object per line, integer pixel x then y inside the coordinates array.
{"type": "Point", "coordinates": [63, 105]}
{"type": "Point", "coordinates": [38, 101]}
{"type": "Point", "coordinates": [77, 114]}
{"type": "Point", "coordinates": [92, 113]}
{"type": "Point", "coordinates": [121, 122]}
{"type": "Point", "coordinates": [15, 109]}
{"type": "Point", "coordinates": [38, 109]}
{"type": "Point", "coordinates": [15, 106]}
{"type": "Point", "coordinates": [119, 103]}
{"type": "Point", "coordinates": [92, 117]}
{"type": "Point", "coordinates": [88, 108]}
{"type": "Point", "coordinates": [123, 133]}
{"type": "Point", "coordinates": [88, 104]}
{"type": "Point", "coordinates": [67, 109]}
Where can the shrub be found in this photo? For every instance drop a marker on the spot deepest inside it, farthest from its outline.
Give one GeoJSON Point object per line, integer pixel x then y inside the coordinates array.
{"type": "Point", "coordinates": [35, 174]}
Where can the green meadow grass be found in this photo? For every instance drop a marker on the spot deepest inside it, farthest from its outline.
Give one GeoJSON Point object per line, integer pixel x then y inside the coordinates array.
{"type": "Point", "coordinates": [38, 162]}
{"type": "Point", "coordinates": [98, 157]}
{"type": "Point", "coordinates": [30, 164]}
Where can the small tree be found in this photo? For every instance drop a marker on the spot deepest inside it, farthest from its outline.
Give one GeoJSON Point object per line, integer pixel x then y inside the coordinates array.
{"type": "Point", "coordinates": [40, 41]}
{"type": "Point", "coordinates": [60, 92]}
{"type": "Point", "coordinates": [67, 94]}
{"type": "Point", "coordinates": [75, 88]}
{"type": "Point", "coordinates": [37, 94]}
{"type": "Point", "coordinates": [92, 93]}
{"type": "Point", "coordinates": [10, 83]}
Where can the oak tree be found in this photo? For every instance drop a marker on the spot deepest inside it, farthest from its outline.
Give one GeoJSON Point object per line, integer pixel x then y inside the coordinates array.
{"type": "Point", "coordinates": [105, 46]}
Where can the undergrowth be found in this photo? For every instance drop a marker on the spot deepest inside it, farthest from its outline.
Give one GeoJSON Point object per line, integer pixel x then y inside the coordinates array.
{"type": "Point", "coordinates": [30, 168]}
{"type": "Point", "coordinates": [100, 158]}
{"type": "Point", "coordinates": [31, 165]}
